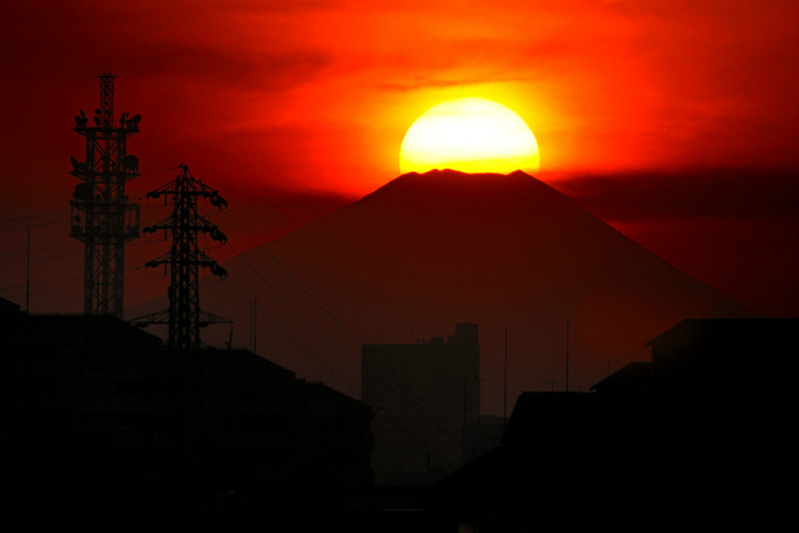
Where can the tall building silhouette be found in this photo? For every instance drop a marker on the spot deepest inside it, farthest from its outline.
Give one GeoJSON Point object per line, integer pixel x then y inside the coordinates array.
{"type": "Point", "coordinates": [423, 394]}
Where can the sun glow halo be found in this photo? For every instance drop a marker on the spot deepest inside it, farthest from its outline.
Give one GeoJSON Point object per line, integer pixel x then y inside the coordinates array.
{"type": "Point", "coordinates": [472, 135]}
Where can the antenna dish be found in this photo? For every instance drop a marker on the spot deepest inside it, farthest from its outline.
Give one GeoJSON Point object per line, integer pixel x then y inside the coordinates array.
{"type": "Point", "coordinates": [131, 162]}
{"type": "Point", "coordinates": [83, 192]}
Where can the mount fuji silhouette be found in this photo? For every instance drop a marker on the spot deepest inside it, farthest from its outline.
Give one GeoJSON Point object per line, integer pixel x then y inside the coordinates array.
{"type": "Point", "coordinates": [427, 251]}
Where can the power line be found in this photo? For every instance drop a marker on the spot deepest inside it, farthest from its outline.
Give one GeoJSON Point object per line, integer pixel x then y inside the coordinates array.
{"type": "Point", "coordinates": [304, 319]}
{"type": "Point", "coordinates": [333, 346]}
{"type": "Point", "coordinates": [158, 170]}
{"type": "Point", "coordinates": [285, 331]}
{"type": "Point", "coordinates": [71, 288]}
{"type": "Point", "coordinates": [41, 283]}
{"type": "Point", "coordinates": [26, 226]}
{"type": "Point", "coordinates": [315, 356]}
{"type": "Point", "coordinates": [61, 212]}
{"type": "Point", "coordinates": [33, 184]}
{"type": "Point", "coordinates": [274, 259]}
{"type": "Point", "coordinates": [410, 398]}
{"type": "Point", "coordinates": [62, 280]}
{"type": "Point", "coordinates": [41, 258]}
{"type": "Point", "coordinates": [40, 249]}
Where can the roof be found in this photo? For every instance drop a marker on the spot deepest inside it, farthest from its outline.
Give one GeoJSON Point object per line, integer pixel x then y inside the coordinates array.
{"type": "Point", "coordinates": [633, 377]}
{"type": "Point", "coordinates": [729, 327]}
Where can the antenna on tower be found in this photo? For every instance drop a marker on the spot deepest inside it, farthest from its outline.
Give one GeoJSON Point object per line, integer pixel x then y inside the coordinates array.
{"type": "Point", "coordinates": [101, 216]}
{"type": "Point", "coordinates": [184, 316]}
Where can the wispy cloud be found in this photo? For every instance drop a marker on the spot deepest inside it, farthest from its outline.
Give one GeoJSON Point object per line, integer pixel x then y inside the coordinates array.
{"type": "Point", "coordinates": [715, 192]}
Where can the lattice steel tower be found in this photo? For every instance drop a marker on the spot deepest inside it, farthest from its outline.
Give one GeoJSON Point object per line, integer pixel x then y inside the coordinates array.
{"type": "Point", "coordinates": [102, 217]}
{"type": "Point", "coordinates": [184, 316]}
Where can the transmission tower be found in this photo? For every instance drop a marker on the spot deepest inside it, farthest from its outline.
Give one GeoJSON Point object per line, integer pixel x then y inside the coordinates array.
{"type": "Point", "coordinates": [185, 258]}
{"type": "Point", "coordinates": [102, 217]}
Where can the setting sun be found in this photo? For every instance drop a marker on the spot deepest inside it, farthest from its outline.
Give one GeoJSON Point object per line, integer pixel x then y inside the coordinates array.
{"type": "Point", "coordinates": [471, 135]}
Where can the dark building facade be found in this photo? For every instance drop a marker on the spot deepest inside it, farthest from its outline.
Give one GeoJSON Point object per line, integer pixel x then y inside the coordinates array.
{"type": "Point", "coordinates": [104, 423]}
{"type": "Point", "coordinates": [695, 438]}
{"type": "Point", "coordinates": [423, 395]}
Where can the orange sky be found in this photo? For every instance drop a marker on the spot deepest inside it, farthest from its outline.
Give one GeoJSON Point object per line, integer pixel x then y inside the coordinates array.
{"type": "Point", "coordinates": [308, 101]}
{"type": "Point", "coordinates": [326, 90]}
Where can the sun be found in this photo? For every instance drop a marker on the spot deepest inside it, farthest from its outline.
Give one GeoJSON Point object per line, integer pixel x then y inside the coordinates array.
{"type": "Point", "coordinates": [472, 135]}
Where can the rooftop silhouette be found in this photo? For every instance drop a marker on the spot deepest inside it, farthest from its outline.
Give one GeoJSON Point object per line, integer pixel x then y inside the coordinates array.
{"type": "Point", "coordinates": [691, 436]}
{"type": "Point", "coordinates": [105, 425]}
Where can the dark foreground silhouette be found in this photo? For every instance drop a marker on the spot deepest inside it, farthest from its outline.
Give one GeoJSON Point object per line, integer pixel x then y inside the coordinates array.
{"type": "Point", "coordinates": [104, 427]}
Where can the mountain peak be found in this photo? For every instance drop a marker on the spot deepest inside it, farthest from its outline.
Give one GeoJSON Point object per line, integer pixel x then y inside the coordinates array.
{"type": "Point", "coordinates": [450, 175]}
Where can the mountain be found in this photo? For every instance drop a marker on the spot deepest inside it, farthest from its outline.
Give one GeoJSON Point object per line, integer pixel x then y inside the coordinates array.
{"type": "Point", "coordinates": [430, 250]}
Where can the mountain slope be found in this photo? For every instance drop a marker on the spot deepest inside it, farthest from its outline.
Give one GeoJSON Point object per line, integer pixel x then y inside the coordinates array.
{"type": "Point", "coordinates": [427, 251]}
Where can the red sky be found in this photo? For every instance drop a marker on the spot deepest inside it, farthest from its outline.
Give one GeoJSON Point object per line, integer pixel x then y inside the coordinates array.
{"type": "Point", "coordinates": [673, 120]}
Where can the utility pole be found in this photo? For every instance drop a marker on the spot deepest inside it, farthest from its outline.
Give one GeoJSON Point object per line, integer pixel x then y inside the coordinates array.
{"type": "Point", "coordinates": [505, 398]}
{"type": "Point", "coordinates": [102, 218]}
{"type": "Point", "coordinates": [552, 383]}
{"type": "Point", "coordinates": [28, 276]}
{"type": "Point", "coordinates": [254, 325]}
{"type": "Point", "coordinates": [567, 354]}
{"type": "Point", "coordinates": [184, 316]}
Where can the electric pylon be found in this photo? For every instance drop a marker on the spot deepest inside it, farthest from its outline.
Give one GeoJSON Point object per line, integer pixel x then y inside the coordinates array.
{"type": "Point", "coordinates": [184, 316]}
{"type": "Point", "coordinates": [102, 217]}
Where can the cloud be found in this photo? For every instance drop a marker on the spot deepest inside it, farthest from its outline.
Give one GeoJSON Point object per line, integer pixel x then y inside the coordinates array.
{"type": "Point", "coordinates": [243, 70]}
{"type": "Point", "coordinates": [214, 45]}
{"type": "Point", "coordinates": [432, 82]}
{"type": "Point", "coordinates": [646, 196]}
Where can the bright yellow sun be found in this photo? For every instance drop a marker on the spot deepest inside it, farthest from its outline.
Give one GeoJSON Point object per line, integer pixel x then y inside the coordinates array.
{"type": "Point", "coordinates": [472, 135]}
